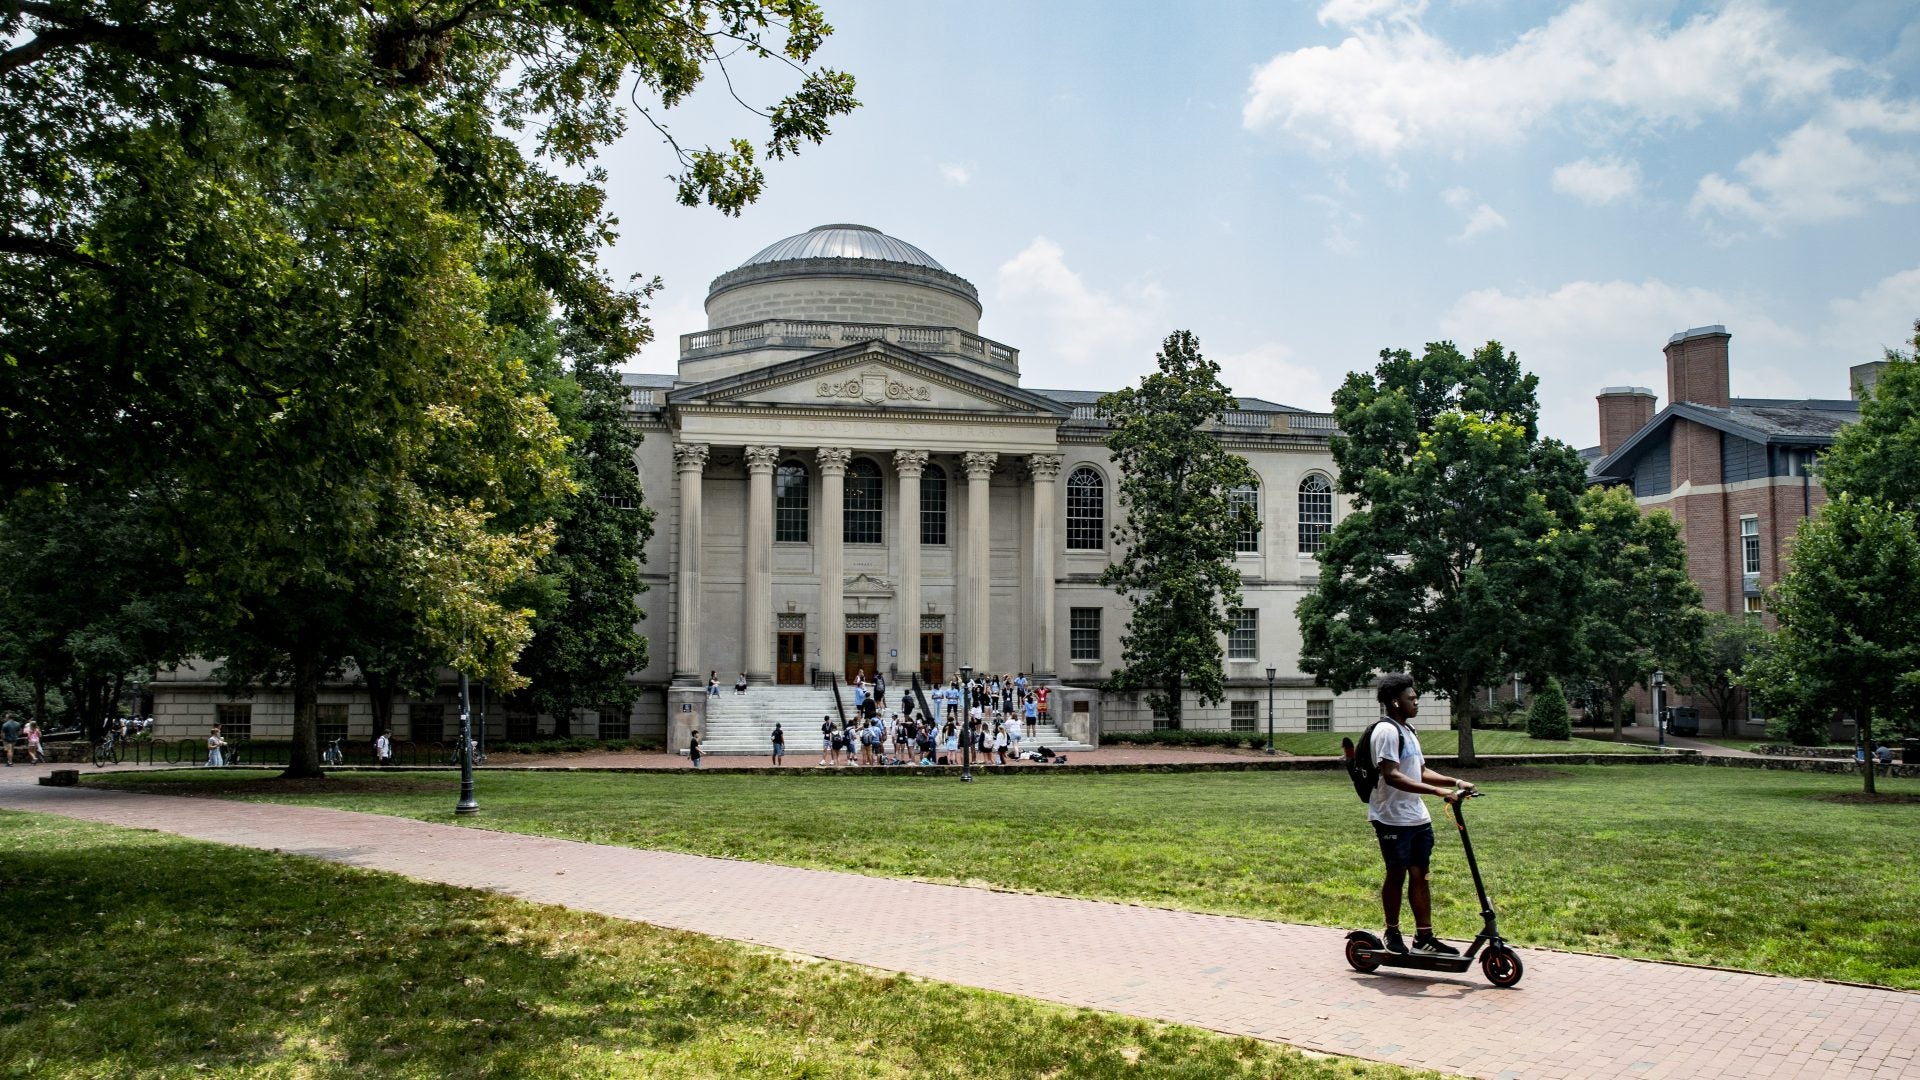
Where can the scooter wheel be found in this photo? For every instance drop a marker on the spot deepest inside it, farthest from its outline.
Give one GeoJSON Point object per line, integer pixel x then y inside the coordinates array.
{"type": "Point", "coordinates": [1501, 966]}
{"type": "Point", "coordinates": [1359, 961]}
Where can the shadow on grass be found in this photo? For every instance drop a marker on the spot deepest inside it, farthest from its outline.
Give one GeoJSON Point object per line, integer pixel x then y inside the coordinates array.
{"type": "Point", "coordinates": [135, 953]}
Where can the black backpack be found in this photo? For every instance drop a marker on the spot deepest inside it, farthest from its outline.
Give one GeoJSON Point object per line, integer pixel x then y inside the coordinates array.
{"type": "Point", "coordinates": [1361, 768]}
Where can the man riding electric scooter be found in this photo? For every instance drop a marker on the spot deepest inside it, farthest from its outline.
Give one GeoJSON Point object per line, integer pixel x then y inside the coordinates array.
{"type": "Point", "coordinates": [1399, 814]}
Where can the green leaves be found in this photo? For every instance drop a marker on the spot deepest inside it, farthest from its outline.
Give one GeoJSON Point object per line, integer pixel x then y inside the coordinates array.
{"type": "Point", "coordinates": [1176, 539]}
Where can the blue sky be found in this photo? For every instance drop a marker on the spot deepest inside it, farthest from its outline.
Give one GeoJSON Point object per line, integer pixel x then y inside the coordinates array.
{"type": "Point", "coordinates": [1305, 184]}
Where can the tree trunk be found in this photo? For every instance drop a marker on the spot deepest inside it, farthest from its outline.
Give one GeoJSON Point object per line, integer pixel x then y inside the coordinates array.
{"type": "Point", "coordinates": [1613, 710]}
{"type": "Point", "coordinates": [380, 698]}
{"type": "Point", "coordinates": [1173, 703]}
{"type": "Point", "coordinates": [1863, 723]}
{"type": "Point", "coordinates": [562, 722]}
{"type": "Point", "coordinates": [1463, 723]}
{"type": "Point", "coordinates": [303, 760]}
{"type": "Point", "coordinates": [40, 701]}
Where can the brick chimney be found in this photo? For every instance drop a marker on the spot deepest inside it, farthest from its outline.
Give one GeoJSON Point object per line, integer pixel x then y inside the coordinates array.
{"type": "Point", "coordinates": [1697, 366]}
{"type": "Point", "coordinates": [1624, 410]}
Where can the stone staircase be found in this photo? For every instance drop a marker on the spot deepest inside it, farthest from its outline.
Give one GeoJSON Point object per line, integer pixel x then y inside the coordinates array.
{"type": "Point", "coordinates": [743, 723]}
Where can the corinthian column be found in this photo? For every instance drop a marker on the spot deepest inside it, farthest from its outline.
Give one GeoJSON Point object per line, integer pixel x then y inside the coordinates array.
{"type": "Point", "coordinates": [689, 460]}
{"type": "Point", "coordinates": [979, 573]}
{"type": "Point", "coordinates": [756, 630]}
{"type": "Point", "coordinates": [1045, 469]}
{"type": "Point", "coordinates": [832, 558]}
{"type": "Point", "coordinates": [906, 594]}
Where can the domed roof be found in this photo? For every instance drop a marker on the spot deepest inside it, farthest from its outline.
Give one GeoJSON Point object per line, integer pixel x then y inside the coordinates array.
{"type": "Point", "coordinates": [844, 242]}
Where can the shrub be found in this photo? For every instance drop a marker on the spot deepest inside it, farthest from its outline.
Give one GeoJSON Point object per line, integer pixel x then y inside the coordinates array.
{"type": "Point", "coordinates": [1547, 718]}
{"type": "Point", "coordinates": [1183, 737]}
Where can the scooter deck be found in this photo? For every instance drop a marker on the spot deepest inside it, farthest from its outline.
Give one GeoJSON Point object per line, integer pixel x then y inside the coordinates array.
{"type": "Point", "coordinates": [1422, 961]}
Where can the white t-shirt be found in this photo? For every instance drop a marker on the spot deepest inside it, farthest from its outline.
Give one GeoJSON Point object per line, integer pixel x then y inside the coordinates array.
{"type": "Point", "coordinates": [1390, 805]}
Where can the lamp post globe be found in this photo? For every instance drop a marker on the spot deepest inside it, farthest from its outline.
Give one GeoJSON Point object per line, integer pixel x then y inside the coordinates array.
{"type": "Point", "coordinates": [1271, 672]}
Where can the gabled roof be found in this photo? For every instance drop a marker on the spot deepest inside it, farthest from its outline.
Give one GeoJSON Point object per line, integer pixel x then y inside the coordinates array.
{"type": "Point", "coordinates": [1006, 394]}
{"type": "Point", "coordinates": [1768, 421]}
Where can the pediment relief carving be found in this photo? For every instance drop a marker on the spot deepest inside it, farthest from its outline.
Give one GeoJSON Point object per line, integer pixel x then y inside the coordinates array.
{"type": "Point", "coordinates": [875, 386]}
{"type": "Point", "coordinates": [868, 585]}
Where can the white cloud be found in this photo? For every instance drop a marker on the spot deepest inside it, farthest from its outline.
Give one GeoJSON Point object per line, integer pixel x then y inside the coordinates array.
{"type": "Point", "coordinates": [686, 314]}
{"type": "Point", "coordinates": [1598, 183]}
{"type": "Point", "coordinates": [1392, 86]}
{"type": "Point", "coordinates": [1074, 330]}
{"type": "Point", "coordinates": [1833, 166]}
{"type": "Point", "coordinates": [956, 173]}
{"type": "Point", "coordinates": [1340, 218]}
{"type": "Point", "coordinates": [1589, 334]}
{"type": "Point", "coordinates": [1480, 218]}
{"type": "Point", "coordinates": [1270, 370]}
{"type": "Point", "coordinates": [1862, 328]}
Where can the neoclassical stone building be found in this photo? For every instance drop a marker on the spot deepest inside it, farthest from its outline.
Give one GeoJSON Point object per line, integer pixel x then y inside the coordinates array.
{"type": "Point", "coordinates": [849, 477]}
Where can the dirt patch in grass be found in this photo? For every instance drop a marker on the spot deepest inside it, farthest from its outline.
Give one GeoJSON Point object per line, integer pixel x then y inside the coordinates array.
{"type": "Point", "coordinates": [1506, 774]}
{"type": "Point", "coordinates": [1861, 798]}
{"type": "Point", "coordinates": [228, 789]}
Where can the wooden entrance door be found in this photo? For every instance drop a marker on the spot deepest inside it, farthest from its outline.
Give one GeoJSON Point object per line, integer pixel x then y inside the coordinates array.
{"type": "Point", "coordinates": [933, 666]}
{"type": "Point", "coordinates": [791, 664]}
{"type": "Point", "coordinates": [863, 654]}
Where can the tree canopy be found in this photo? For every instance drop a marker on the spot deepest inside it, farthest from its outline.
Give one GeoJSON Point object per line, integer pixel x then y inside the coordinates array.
{"type": "Point", "coordinates": [1176, 539]}
{"type": "Point", "coordinates": [1879, 457]}
{"type": "Point", "coordinates": [1450, 564]}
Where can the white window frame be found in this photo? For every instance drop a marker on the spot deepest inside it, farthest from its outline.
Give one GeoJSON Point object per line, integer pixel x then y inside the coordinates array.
{"type": "Point", "coordinates": [1243, 641]}
{"type": "Point", "coordinates": [1750, 544]}
{"type": "Point", "coordinates": [1073, 641]}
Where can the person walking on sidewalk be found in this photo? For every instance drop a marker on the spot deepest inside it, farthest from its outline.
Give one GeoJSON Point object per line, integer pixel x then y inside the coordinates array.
{"type": "Point", "coordinates": [693, 748]}
{"type": "Point", "coordinates": [779, 745]}
{"type": "Point", "coordinates": [10, 734]}
{"type": "Point", "coordinates": [33, 743]}
{"type": "Point", "coordinates": [1399, 816]}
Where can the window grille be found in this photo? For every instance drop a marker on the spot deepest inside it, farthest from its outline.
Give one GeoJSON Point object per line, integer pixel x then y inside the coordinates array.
{"type": "Point", "coordinates": [1243, 641]}
{"type": "Point", "coordinates": [1316, 513]}
{"type": "Point", "coordinates": [1083, 633]}
{"type": "Point", "coordinates": [1086, 511]}
{"type": "Point", "coordinates": [1750, 545]}
{"type": "Point", "coordinates": [1248, 539]}
{"type": "Point", "coordinates": [1245, 715]}
{"type": "Point", "coordinates": [864, 519]}
{"type": "Point", "coordinates": [790, 503]}
{"type": "Point", "coordinates": [615, 724]}
{"type": "Point", "coordinates": [1319, 716]}
{"type": "Point", "coordinates": [521, 727]}
{"type": "Point", "coordinates": [330, 723]}
{"type": "Point", "coordinates": [933, 506]}
{"type": "Point", "coordinates": [235, 720]}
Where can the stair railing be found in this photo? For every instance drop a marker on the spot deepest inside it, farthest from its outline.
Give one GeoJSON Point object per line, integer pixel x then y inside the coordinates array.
{"type": "Point", "coordinates": [921, 698]}
{"type": "Point", "coordinates": [833, 680]}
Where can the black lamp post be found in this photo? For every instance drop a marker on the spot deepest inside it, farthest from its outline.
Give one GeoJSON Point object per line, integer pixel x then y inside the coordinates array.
{"type": "Point", "coordinates": [966, 723]}
{"type": "Point", "coordinates": [1270, 675]}
{"type": "Point", "coordinates": [1660, 707]}
{"type": "Point", "coordinates": [466, 805]}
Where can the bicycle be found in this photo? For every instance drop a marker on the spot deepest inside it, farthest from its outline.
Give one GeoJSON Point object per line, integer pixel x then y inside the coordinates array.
{"type": "Point", "coordinates": [333, 756]}
{"type": "Point", "coordinates": [479, 754]}
{"type": "Point", "coordinates": [105, 751]}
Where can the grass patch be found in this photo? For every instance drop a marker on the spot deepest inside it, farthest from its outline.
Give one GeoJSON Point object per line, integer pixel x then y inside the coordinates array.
{"type": "Point", "coordinates": [204, 960]}
{"type": "Point", "coordinates": [1734, 867]}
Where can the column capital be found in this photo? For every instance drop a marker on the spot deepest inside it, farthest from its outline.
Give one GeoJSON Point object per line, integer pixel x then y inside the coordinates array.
{"type": "Point", "coordinates": [762, 459]}
{"type": "Point", "coordinates": [1044, 466]}
{"type": "Point", "coordinates": [690, 457]}
{"type": "Point", "coordinates": [833, 460]}
{"type": "Point", "coordinates": [910, 462]}
{"type": "Point", "coordinates": [979, 464]}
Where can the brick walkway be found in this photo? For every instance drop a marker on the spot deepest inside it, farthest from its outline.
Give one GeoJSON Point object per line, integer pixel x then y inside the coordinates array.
{"type": "Point", "coordinates": [1573, 1015]}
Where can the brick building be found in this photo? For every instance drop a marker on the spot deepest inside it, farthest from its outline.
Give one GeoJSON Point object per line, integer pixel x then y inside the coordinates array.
{"type": "Point", "coordinates": [1735, 472]}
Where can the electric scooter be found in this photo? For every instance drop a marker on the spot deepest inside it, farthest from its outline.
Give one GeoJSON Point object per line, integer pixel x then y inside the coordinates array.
{"type": "Point", "coordinates": [1499, 963]}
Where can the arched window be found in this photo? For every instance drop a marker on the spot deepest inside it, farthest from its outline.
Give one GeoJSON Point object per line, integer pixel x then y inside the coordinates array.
{"type": "Point", "coordinates": [933, 505]}
{"type": "Point", "coordinates": [1248, 539]}
{"type": "Point", "coordinates": [790, 503]}
{"type": "Point", "coordinates": [1086, 510]}
{"type": "Point", "coordinates": [1316, 513]}
{"type": "Point", "coordinates": [864, 519]}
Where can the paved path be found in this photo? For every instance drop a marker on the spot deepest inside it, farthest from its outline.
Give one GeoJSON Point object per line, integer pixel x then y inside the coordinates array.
{"type": "Point", "coordinates": [1573, 1015]}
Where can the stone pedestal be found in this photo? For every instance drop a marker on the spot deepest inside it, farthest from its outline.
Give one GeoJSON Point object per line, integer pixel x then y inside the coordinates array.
{"type": "Point", "coordinates": [686, 713]}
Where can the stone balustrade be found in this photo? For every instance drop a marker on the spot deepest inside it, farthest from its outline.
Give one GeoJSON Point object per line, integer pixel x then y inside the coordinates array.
{"type": "Point", "coordinates": [808, 334]}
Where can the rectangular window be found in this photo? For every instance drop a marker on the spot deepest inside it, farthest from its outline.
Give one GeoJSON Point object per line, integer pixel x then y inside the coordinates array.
{"type": "Point", "coordinates": [1243, 641]}
{"type": "Point", "coordinates": [1245, 714]}
{"type": "Point", "coordinates": [1749, 545]}
{"type": "Point", "coordinates": [236, 722]}
{"type": "Point", "coordinates": [1248, 539]}
{"type": "Point", "coordinates": [1754, 606]}
{"type": "Point", "coordinates": [521, 727]}
{"type": "Point", "coordinates": [933, 507]}
{"type": "Point", "coordinates": [1161, 723]}
{"type": "Point", "coordinates": [425, 722]}
{"type": "Point", "coordinates": [614, 724]}
{"type": "Point", "coordinates": [1319, 716]}
{"type": "Point", "coordinates": [1083, 633]}
{"type": "Point", "coordinates": [330, 723]}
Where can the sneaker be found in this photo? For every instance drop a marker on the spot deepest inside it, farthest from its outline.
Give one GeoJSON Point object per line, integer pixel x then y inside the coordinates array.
{"type": "Point", "coordinates": [1433, 946]}
{"type": "Point", "coordinates": [1394, 942]}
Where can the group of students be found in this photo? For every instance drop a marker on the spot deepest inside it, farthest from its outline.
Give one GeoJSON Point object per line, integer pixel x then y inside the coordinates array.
{"type": "Point", "coordinates": [989, 717]}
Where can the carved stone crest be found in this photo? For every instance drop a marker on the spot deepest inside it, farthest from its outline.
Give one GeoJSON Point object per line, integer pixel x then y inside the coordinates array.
{"type": "Point", "coordinates": [875, 386]}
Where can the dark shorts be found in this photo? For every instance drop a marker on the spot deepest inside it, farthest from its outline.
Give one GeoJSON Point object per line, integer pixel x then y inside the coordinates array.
{"type": "Point", "coordinates": [1403, 846]}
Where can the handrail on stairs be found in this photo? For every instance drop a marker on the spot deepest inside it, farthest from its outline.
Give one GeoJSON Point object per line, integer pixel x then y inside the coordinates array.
{"type": "Point", "coordinates": [833, 680]}
{"type": "Point", "coordinates": [921, 697]}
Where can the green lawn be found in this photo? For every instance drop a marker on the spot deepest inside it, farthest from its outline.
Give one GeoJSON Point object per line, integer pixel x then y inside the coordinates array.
{"type": "Point", "coordinates": [131, 953]}
{"type": "Point", "coordinates": [1445, 743]}
{"type": "Point", "coordinates": [1735, 867]}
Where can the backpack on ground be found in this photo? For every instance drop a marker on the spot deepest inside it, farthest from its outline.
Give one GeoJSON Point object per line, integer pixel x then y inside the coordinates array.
{"type": "Point", "coordinates": [1361, 768]}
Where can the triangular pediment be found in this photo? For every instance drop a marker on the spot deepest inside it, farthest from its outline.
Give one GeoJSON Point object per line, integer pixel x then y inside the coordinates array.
{"type": "Point", "coordinates": [869, 375]}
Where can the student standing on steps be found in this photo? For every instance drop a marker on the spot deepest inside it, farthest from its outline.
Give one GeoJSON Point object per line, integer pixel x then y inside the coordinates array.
{"type": "Point", "coordinates": [1399, 814]}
